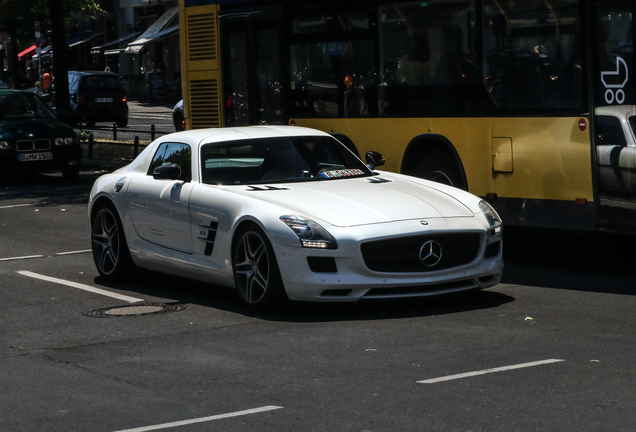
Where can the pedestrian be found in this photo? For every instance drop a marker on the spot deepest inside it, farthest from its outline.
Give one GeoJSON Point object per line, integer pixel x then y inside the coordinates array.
{"type": "Point", "coordinates": [46, 79]}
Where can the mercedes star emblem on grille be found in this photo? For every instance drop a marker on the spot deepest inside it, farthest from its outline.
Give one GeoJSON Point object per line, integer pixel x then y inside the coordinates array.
{"type": "Point", "coordinates": [431, 253]}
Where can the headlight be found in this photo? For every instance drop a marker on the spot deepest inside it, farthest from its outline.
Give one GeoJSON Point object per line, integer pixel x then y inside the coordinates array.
{"type": "Point", "coordinates": [64, 141]}
{"type": "Point", "coordinates": [492, 217]}
{"type": "Point", "coordinates": [4, 145]}
{"type": "Point", "coordinates": [311, 234]}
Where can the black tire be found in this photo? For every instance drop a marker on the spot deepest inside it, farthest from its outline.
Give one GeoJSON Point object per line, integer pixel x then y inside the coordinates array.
{"type": "Point", "coordinates": [110, 250]}
{"type": "Point", "coordinates": [71, 173]}
{"type": "Point", "coordinates": [440, 167]}
{"type": "Point", "coordinates": [256, 274]}
{"type": "Point", "coordinates": [122, 122]}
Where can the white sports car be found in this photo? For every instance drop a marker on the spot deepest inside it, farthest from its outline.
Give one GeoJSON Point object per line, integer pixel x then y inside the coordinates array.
{"type": "Point", "coordinates": [284, 212]}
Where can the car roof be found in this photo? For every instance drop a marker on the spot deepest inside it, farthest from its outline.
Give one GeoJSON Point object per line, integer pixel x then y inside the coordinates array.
{"type": "Point", "coordinates": [94, 72]}
{"type": "Point", "coordinates": [620, 111]}
{"type": "Point", "coordinates": [214, 135]}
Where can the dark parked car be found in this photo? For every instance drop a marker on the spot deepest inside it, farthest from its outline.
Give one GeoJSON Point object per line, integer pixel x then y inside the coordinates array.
{"type": "Point", "coordinates": [33, 139]}
{"type": "Point", "coordinates": [98, 96]}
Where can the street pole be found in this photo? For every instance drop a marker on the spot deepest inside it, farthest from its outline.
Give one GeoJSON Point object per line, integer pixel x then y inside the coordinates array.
{"type": "Point", "coordinates": [38, 50]}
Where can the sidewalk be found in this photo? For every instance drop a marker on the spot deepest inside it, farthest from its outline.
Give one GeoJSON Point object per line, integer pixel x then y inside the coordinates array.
{"type": "Point", "coordinates": [150, 107]}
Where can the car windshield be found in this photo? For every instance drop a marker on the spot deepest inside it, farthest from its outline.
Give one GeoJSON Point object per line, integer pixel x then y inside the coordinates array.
{"type": "Point", "coordinates": [101, 83]}
{"type": "Point", "coordinates": [632, 124]}
{"type": "Point", "coordinates": [278, 160]}
{"type": "Point", "coordinates": [23, 105]}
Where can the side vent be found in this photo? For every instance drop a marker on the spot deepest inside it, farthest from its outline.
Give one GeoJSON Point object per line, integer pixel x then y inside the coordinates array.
{"type": "Point", "coordinates": [210, 237]}
{"type": "Point", "coordinates": [202, 37]}
{"type": "Point", "coordinates": [204, 103]}
{"type": "Point", "coordinates": [201, 66]}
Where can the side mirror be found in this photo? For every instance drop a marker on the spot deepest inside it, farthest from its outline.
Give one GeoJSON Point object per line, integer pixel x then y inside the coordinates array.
{"type": "Point", "coordinates": [374, 159]}
{"type": "Point", "coordinates": [167, 172]}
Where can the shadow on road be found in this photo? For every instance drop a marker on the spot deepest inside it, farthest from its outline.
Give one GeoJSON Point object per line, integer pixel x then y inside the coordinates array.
{"type": "Point", "coordinates": [569, 260]}
{"type": "Point", "coordinates": [186, 291]}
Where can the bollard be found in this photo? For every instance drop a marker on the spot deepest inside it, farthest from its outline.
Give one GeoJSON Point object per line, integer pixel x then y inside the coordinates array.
{"type": "Point", "coordinates": [136, 147]}
{"type": "Point", "coordinates": [90, 145]}
{"type": "Point", "coordinates": [152, 133]}
{"type": "Point", "coordinates": [114, 131]}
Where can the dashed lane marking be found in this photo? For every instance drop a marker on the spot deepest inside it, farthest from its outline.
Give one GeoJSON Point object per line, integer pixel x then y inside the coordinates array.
{"type": "Point", "coordinates": [487, 371]}
{"type": "Point", "coordinates": [202, 419]}
{"type": "Point", "coordinates": [80, 286]}
{"type": "Point", "coordinates": [21, 257]}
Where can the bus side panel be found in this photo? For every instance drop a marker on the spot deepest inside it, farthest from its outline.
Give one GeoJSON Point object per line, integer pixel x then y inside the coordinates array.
{"type": "Point", "coordinates": [546, 182]}
{"type": "Point", "coordinates": [200, 66]}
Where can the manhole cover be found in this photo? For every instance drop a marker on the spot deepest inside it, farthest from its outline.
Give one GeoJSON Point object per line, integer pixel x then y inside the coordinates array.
{"type": "Point", "coordinates": [136, 310]}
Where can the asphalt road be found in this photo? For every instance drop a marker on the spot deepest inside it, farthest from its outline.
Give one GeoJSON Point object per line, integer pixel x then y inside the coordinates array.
{"type": "Point", "coordinates": [549, 349]}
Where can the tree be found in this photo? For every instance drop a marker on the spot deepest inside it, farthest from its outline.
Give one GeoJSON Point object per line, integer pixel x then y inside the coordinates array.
{"type": "Point", "coordinates": [18, 18]}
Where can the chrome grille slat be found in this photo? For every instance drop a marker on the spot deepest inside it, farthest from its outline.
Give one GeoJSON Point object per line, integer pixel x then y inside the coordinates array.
{"type": "Point", "coordinates": [30, 145]}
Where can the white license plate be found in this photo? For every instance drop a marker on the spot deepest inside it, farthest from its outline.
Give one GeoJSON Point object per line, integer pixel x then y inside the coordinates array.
{"type": "Point", "coordinates": [25, 157]}
{"type": "Point", "coordinates": [104, 100]}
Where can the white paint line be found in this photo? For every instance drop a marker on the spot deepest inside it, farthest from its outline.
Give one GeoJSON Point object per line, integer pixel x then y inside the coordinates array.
{"type": "Point", "coordinates": [80, 286]}
{"type": "Point", "coordinates": [202, 419]}
{"type": "Point", "coordinates": [74, 252]}
{"type": "Point", "coordinates": [16, 205]}
{"type": "Point", "coordinates": [21, 258]}
{"type": "Point", "coordinates": [487, 371]}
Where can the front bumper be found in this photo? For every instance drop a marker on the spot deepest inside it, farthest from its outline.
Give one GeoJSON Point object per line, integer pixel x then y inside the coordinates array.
{"type": "Point", "coordinates": [341, 275]}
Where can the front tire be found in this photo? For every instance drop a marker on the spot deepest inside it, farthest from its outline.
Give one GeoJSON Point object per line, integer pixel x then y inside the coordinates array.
{"type": "Point", "coordinates": [256, 272]}
{"type": "Point", "coordinates": [110, 250]}
{"type": "Point", "coordinates": [440, 167]}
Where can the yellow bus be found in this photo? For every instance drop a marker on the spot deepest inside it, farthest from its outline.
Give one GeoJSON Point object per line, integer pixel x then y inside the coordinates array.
{"type": "Point", "coordinates": [497, 97]}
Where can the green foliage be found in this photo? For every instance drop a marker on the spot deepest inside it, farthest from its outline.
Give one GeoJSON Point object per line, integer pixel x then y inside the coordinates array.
{"type": "Point", "coordinates": [20, 16]}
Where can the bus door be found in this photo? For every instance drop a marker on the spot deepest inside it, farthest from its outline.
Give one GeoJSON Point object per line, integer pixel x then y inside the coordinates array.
{"type": "Point", "coordinates": [252, 71]}
{"type": "Point", "coordinates": [615, 111]}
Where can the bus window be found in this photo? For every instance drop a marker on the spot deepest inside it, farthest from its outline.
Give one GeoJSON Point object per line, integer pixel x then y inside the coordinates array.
{"type": "Point", "coordinates": [531, 55]}
{"type": "Point", "coordinates": [615, 54]}
{"type": "Point", "coordinates": [428, 60]}
{"type": "Point", "coordinates": [332, 73]}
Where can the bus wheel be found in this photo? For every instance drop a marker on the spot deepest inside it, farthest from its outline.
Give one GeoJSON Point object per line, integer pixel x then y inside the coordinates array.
{"type": "Point", "coordinates": [439, 167]}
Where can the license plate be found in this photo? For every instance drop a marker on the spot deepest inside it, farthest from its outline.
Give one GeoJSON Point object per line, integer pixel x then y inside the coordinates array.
{"type": "Point", "coordinates": [104, 100]}
{"type": "Point", "coordinates": [25, 157]}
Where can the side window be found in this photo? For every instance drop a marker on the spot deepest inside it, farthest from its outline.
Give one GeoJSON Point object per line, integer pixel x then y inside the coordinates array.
{"type": "Point", "coordinates": [332, 67]}
{"type": "Point", "coordinates": [428, 59]}
{"type": "Point", "coordinates": [609, 131]}
{"type": "Point", "coordinates": [173, 153]}
{"type": "Point", "coordinates": [532, 54]}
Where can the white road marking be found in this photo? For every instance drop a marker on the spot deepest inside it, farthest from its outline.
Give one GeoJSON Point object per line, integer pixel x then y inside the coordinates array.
{"type": "Point", "coordinates": [21, 258]}
{"type": "Point", "coordinates": [74, 252]}
{"type": "Point", "coordinates": [487, 371]}
{"type": "Point", "coordinates": [80, 286]}
{"type": "Point", "coordinates": [202, 419]}
{"type": "Point", "coordinates": [16, 205]}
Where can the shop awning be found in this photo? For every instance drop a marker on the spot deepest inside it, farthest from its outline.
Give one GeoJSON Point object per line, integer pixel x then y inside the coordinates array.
{"type": "Point", "coordinates": [84, 40]}
{"type": "Point", "coordinates": [112, 45]}
{"type": "Point", "coordinates": [158, 29]}
{"type": "Point", "coordinates": [27, 53]}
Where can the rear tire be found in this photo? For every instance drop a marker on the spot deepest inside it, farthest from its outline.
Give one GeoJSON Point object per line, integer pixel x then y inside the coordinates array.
{"type": "Point", "coordinates": [256, 272]}
{"type": "Point", "coordinates": [177, 119]}
{"type": "Point", "coordinates": [71, 173]}
{"type": "Point", "coordinates": [110, 250]}
{"type": "Point", "coordinates": [440, 167]}
{"type": "Point", "coordinates": [122, 122]}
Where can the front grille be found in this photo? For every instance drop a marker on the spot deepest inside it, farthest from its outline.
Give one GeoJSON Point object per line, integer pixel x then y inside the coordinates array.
{"type": "Point", "coordinates": [402, 255]}
{"type": "Point", "coordinates": [42, 144]}
{"type": "Point", "coordinates": [30, 145]}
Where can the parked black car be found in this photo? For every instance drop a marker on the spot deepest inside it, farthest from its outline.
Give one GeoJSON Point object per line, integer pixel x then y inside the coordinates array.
{"type": "Point", "coordinates": [33, 139]}
{"type": "Point", "coordinates": [98, 96]}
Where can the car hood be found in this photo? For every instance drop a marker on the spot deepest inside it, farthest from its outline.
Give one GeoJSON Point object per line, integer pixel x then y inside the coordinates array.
{"type": "Point", "coordinates": [362, 201]}
{"type": "Point", "coordinates": [36, 128]}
